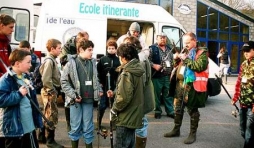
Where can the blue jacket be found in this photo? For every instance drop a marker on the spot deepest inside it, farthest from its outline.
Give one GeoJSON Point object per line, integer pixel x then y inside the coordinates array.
{"type": "Point", "coordinates": [10, 97]}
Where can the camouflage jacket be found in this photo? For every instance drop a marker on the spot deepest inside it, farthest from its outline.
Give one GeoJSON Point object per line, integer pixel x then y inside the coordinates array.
{"type": "Point", "coordinates": [244, 86]}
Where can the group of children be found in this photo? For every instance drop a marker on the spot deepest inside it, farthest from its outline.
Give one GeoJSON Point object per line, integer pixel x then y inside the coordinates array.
{"type": "Point", "coordinates": [80, 82]}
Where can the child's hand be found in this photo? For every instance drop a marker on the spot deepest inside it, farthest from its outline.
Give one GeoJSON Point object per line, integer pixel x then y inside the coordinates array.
{"type": "Point", "coordinates": [23, 90]}
{"type": "Point", "coordinates": [110, 93]}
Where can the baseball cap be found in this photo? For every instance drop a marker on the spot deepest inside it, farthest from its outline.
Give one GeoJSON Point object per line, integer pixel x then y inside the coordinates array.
{"type": "Point", "coordinates": [247, 46]}
{"type": "Point", "coordinates": [161, 34]}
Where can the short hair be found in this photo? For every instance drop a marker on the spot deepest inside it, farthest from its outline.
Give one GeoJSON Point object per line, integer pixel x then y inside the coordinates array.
{"type": "Point", "coordinates": [52, 43]}
{"type": "Point", "coordinates": [135, 41]}
{"type": "Point", "coordinates": [6, 19]}
{"type": "Point", "coordinates": [18, 55]}
{"type": "Point", "coordinates": [128, 51]}
{"type": "Point", "coordinates": [24, 44]}
{"type": "Point", "coordinates": [81, 34]}
{"type": "Point", "coordinates": [191, 34]}
{"type": "Point", "coordinates": [84, 44]}
{"type": "Point", "coordinates": [112, 43]}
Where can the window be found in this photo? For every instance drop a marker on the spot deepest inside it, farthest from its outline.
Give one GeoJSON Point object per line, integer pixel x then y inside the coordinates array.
{"type": "Point", "coordinates": [224, 22]}
{"type": "Point", "coordinates": [22, 25]}
{"type": "Point", "coordinates": [202, 16]}
{"type": "Point", "coordinates": [173, 35]}
{"type": "Point", "coordinates": [213, 19]}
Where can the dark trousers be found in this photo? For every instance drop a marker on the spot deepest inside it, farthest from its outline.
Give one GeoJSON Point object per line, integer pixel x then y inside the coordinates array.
{"type": "Point", "coordinates": [28, 140]}
{"type": "Point", "coordinates": [125, 137]}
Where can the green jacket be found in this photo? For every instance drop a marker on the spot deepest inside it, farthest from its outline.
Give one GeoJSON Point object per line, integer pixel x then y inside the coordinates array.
{"type": "Point", "coordinates": [129, 96]}
{"type": "Point", "coordinates": [196, 99]}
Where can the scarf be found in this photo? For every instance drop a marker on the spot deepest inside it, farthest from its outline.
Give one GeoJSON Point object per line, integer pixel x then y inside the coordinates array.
{"type": "Point", "coordinates": [189, 75]}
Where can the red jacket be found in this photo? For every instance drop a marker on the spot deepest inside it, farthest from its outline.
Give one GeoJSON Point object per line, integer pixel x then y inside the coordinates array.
{"type": "Point", "coordinates": [5, 51]}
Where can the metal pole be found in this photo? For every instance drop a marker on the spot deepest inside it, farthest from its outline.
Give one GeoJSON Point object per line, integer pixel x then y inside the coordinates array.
{"type": "Point", "coordinates": [110, 106]}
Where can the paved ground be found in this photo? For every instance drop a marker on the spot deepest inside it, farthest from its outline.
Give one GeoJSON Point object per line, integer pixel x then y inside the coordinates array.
{"type": "Point", "coordinates": [217, 128]}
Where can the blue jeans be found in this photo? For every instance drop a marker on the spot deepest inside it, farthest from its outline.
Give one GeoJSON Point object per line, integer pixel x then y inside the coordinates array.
{"type": "Point", "coordinates": [247, 126]}
{"type": "Point", "coordinates": [125, 137]}
{"type": "Point", "coordinates": [142, 132]}
{"type": "Point", "coordinates": [81, 115]}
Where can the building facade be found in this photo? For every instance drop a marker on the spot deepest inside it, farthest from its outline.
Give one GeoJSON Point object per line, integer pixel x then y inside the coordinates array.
{"type": "Point", "coordinates": [214, 23]}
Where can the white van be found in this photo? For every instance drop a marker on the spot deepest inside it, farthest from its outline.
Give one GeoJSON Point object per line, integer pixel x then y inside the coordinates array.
{"type": "Point", "coordinates": [62, 19]}
{"type": "Point", "coordinates": [22, 12]}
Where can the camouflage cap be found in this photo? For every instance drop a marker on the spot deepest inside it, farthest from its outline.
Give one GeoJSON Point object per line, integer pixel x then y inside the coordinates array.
{"type": "Point", "coordinates": [247, 46]}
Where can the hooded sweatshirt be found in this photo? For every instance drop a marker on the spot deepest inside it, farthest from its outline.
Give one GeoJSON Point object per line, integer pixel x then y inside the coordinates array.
{"type": "Point", "coordinates": [129, 98]}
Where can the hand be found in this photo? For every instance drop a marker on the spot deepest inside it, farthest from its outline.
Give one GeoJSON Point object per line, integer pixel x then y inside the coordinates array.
{"type": "Point", "coordinates": [110, 93]}
{"type": "Point", "coordinates": [101, 94]}
{"type": "Point", "coordinates": [253, 109]}
{"type": "Point", "coordinates": [182, 56]}
{"type": "Point", "coordinates": [78, 99]}
{"type": "Point", "coordinates": [233, 102]}
{"type": "Point", "coordinates": [157, 67]}
{"type": "Point", "coordinates": [23, 90]}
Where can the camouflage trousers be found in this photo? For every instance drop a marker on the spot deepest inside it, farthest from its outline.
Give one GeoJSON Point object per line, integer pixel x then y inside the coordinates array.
{"type": "Point", "coordinates": [50, 109]}
{"type": "Point", "coordinates": [181, 99]}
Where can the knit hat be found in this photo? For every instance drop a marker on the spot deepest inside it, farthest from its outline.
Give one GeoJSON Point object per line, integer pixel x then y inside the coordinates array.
{"type": "Point", "coordinates": [248, 46]}
{"type": "Point", "coordinates": [134, 27]}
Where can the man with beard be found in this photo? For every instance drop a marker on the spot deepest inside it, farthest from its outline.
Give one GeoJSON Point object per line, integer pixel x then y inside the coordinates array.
{"type": "Point", "coordinates": [161, 59]}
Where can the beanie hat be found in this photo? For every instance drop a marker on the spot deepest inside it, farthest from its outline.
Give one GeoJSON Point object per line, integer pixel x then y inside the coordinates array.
{"type": "Point", "coordinates": [134, 27]}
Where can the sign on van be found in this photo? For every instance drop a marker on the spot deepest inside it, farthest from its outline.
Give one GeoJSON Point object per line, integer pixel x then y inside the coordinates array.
{"type": "Point", "coordinates": [108, 10]}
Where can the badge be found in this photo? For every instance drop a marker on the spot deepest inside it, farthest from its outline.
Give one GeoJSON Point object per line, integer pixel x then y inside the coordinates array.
{"type": "Point", "coordinates": [244, 80]}
{"type": "Point", "coordinates": [167, 63]}
{"type": "Point", "coordinates": [88, 82]}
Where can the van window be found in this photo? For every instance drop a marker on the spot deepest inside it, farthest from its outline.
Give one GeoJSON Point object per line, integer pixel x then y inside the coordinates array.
{"type": "Point", "coordinates": [36, 19]}
{"type": "Point", "coordinates": [22, 27]}
{"type": "Point", "coordinates": [173, 35]}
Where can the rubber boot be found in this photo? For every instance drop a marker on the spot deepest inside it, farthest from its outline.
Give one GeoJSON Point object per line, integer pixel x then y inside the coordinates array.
{"type": "Point", "coordinates": [51, 143]}
{"type": "Point", "coordinates": [41, 135]}
{"type": "Point", "coordinates": [74, 144]}
{"type": "Point", "coordinates": [67, 117]}
{"type": "Point", "coordinates": [140, 142]}
{"type": "Point", "coordinates": [89, 145]}
{"type": "Point", "coordinates": [176, 130]}
{"type": "Point", "coordinates": [193, 130]}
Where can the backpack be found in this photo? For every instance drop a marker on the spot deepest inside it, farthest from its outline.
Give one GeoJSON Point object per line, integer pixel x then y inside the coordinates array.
{"type": "Point", "coordinates": [36, 77]}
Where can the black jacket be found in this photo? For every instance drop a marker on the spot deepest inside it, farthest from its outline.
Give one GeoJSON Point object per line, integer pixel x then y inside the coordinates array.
{"type": "Point", "coordinates": [108, 63]}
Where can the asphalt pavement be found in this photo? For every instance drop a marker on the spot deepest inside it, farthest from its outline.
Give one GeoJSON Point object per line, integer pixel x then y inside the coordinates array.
{"type": "Point", "coordinates": [217, 127]}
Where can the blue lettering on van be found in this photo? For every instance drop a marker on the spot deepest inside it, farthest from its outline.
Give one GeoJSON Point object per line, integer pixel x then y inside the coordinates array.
{"type": "Point", "coordinates": [108, 10]}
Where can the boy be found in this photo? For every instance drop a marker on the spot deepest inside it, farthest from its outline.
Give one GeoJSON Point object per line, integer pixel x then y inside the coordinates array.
{"type": "Point", "coordinates": [128, 107]}
{"type": "Point", "coordinates": [245, 94]}
{"type": "Point", "coordinates": [80, 83]}
{"type": "Point", "coordinates": [50, 76]}
{"type": "Point", "coordinates": [106, 64]}
{"type": "Point", "coordinates": [18, 118]}
{"type": "Point", "coordinates": [35, 60]}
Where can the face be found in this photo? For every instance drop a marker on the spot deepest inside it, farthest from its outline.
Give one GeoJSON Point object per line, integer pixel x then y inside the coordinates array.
{"type": "Point", "coordinates": [111, 50]}
{"type": "Point", "coordinates": [134, 33]}
{"type": "Point", "coordinates": [27, 49]}
{"type": "Point", "coordinates": [161, 40]}
{"type": "Point", "coordinates": [249, 54]}
{"type": "Point", "coordinates": [86, 54]}
{"type": "Point", "coordinates": [24, 65]}
{"type": "Point", "coordinates": [188, 42]}
{"type": "Point", "coordinates": [56, 51]}
{"type": "Point", "coordinates": [7, 30]}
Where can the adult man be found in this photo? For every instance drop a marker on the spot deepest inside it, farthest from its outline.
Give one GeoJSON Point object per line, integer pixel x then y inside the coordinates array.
{"type": "Point", "coordinates": [70, 46]}
{"type": "Point", "coordinates": [224, 62]}
{"type": "Point", "coordinates": [192, 77]}
{"type": "Point", "coordinates": [134, 30]}
{"type": "Point", "coordinates": [161, 59]}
